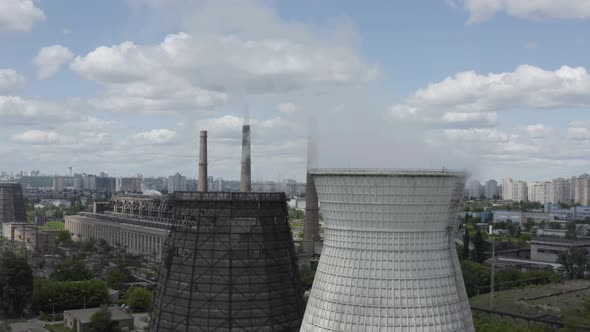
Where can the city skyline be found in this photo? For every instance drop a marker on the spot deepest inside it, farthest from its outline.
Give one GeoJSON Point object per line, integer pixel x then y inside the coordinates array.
{"type": "Point", "coordinates": [128, 87]}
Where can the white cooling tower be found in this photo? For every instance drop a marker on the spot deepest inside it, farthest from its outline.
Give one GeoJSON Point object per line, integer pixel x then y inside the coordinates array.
{"type": "Point", "coordinates": [388, 262]}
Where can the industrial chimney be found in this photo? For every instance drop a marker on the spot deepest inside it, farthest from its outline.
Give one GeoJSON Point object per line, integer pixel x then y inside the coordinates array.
{"type": "Point", "coordinates": [203, 162]}
{"type": "Point", "coordinates": [311, 229]}
{"type": "Point", "coordinates": [245, 177]}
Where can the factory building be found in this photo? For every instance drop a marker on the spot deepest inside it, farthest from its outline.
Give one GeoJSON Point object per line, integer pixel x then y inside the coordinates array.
{"type": "Point", "coordinates": [547, 249]}
{"type": "Point", "coordinates": [138, 224]}
{"type": "Point", "coordinates": [389, 261]}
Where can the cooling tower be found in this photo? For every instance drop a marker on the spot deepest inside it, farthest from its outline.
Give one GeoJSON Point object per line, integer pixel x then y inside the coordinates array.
{"type": "Point", "coordinates": [203, 162]}
{"type": "Point", "coordinates": [12, 203]}
{"type": "Point", "coordinates": [245, 175]}
{"type": "Point", "coordinates": [388, 262]}
{"type": "Point", "coordinates": [229, 264]}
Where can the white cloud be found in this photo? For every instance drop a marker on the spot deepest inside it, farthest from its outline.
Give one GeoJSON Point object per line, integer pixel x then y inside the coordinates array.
{"type": "Point", "coordinates": [37, 137]}
{"type": "Point", "coordinates": [226, 63]}
{"type": "Point", "coordinates": [10, 81]}
{"type": "Point", "coordinates": [537, 130]}
{"type": "Point", "coordinates": [50, 59]}
{"type": "Point", "coordinates": [579, 130]}
{"type": "Point", "coordinates": [224, 52]}
{"type": "Point", "coordinates": [19, 15]}
{"type": "Point", "coordinates": [483, 10]}
{"type": "Point", "coordinates": [527, 87]}
{"type": "Point", "coordinates": [21, 111]}
{"type": "Point", "coordinates": [157, 136]}
{"type": "Point", "coordinates": [286, 108]}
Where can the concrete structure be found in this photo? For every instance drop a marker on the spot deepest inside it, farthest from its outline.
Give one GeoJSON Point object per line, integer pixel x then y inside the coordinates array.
{"type": "Point", "coordinates": [203, 178]}
{"type": "Point", "coordinates": [547, 249]}
{"type": "Point", "coordinates": [491, 189]}
{"type": "Point", "coordinates": [58, 184]}
{"type": "Point", "coordinates": [12, 203]}
{"type": "Point", "coordinates": [80, 320]}
{"type": "Point", "coordinates": [245, 174]}
{"type": "Point", "coordinates": [229, 265]}
{"type": "Point", "coordinates": [176, 182]}
{"type": "Point", "coordinates": [389, 261]}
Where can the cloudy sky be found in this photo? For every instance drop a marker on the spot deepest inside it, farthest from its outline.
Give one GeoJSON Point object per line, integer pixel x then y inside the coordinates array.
{"type": "Point", "coordinates": [497, 87]}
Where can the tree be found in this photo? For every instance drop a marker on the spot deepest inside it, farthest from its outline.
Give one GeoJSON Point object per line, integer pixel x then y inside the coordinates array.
{"type": "Point", "coordinates": [570, 230]}
{"type": "Point", "coordinates": [101, 321]}
{"type": "Point", "coordinates": [478, 253]}
{"type": "Point", "coordinates": [528, 225]}
{"type": "Point", "coordinates": [16, 283]}
{"type": "Point", "coordinates": [71, 270]}
{"type": "Point", "coordinates": [69, 294]}
{"type": "Point", "coordinates": [465, 253]}
{"type": "Point", "coordinates": [139, 299]}
{"type": "Point", "coordinates": [574, 262]}
{"type": "Point", "coordinates": [64, 238]}
{"type": "Point", "coordinates": [116, 277]}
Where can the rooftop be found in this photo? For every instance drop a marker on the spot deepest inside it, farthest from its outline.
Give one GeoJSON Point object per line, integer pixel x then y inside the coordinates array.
{"type": "Point", "coordinates": [560, 240]}
{"type": "Point", "coordinates": [387, 172]}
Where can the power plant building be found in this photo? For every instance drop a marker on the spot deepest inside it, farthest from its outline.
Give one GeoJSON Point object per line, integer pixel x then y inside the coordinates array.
{"type": "Point", "coordinates": [388, 261]}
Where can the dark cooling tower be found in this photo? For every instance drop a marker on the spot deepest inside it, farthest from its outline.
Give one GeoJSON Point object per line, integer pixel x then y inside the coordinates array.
{"type": "Point", "coordinates": [12, 203]}
{"type": "Point", "coordinates": [229, 264]}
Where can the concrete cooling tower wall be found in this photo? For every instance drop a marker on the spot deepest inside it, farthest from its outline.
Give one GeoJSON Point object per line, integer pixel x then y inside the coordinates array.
{"type": "Point", "coordinates": [388, 261]}
{"type": "Point", "coordinates": [229, 264]}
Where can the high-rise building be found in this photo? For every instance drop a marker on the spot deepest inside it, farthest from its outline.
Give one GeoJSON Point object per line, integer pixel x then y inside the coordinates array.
{"type": "Point", "coordinates": [491, 189]}
{"type": "Point", "coordinates": [474, 189]}
{"type": "Point", "coordinates": [176, 182]}
{"type": "Point", "coordinates": [58, 184]}
{"type": "Point", "coordinates": [78, 182]}
{"type": "Point", "coordinates": [519, 191]}
{"type": "Point", "coordinates": [106, 185]}
{"type": "Point", "coordinates": [583, 189]}
{"type": "Point", "coordinates": [507, 188]}
{"type": "Point", "coordinates": [561, 191]}
{"type": "Point", "coordinates": [129, 185]}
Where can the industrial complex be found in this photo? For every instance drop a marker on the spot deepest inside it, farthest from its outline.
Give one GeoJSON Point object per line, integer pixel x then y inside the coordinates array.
{"type": "Point", "coordinates": [228, 260]}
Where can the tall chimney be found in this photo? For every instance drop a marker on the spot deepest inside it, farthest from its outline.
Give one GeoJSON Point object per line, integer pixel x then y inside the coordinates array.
{"type": "Point", "coordinates": [245, 176]}
{"type": "Point", "coordinates": [203, 162]}
{"type": "Point", "coordinates": [311, 228]}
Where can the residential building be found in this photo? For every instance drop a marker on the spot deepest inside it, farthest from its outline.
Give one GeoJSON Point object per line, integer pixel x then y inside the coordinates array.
{"type": "Point", "coordinates": [176, 182]}
{"type": "Point", "coordinates": [507, 188]}
{"type": "Point", "coordinates": [58, 184]}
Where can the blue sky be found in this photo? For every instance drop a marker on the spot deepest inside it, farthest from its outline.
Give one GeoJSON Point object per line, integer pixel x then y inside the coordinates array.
{"type": "Point", "coordinates": [497, 87]}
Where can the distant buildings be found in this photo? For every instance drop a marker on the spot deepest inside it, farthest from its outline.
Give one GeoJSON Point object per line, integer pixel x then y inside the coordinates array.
{"type": "Point", "coordinates": [129, 185]}
{"type": "Point", "coordinates": [91, 182]}
{"type": "Point", "coordinates": [582, 191]}
{"type": "Point", "coordinates": [176, 182]}
{"type": "Point", "coordinates": [491, 189]}
{"type": "Point", "coordinates": [58, 184]}
{"type": "Point", "coordinates": [474, 189]}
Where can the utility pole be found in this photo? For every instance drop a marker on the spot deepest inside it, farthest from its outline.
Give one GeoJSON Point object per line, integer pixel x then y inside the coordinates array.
{"type": "Point", "coordinates": [492, 283]}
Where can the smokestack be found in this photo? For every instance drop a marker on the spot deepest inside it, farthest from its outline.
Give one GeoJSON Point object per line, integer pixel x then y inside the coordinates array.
{"type": "Point", "coordinates": [245, 177]}
{"type": "Point", "coordinates": [203, 162]}
{"type": "Point", "coordinates": [311, 229]}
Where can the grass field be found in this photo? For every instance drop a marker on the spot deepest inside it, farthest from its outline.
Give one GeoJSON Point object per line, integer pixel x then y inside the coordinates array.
{"type": "Point", "coordinates": [57, 328]}
{"type": "Point", "coordinates": [565, 299]}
